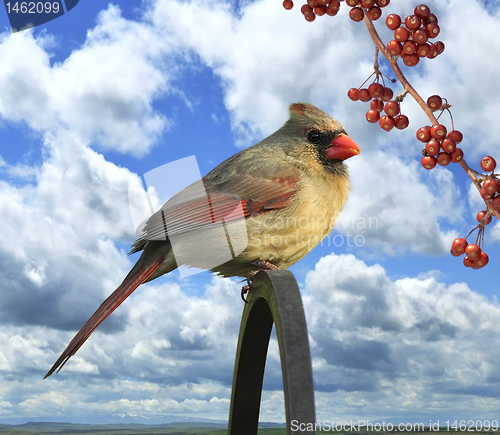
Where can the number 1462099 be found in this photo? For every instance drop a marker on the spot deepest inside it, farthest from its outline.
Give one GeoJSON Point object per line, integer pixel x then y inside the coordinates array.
{"type": "Point", "coordinates": [472, 425]}
{"type": "Point", "coordinates": [33, 7]}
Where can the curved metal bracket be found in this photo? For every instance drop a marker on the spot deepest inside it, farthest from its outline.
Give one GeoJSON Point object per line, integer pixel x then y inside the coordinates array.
{"type": "Point", "coordinates": [274, 297]}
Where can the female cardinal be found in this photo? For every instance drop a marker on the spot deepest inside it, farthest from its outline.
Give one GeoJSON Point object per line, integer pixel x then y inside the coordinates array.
{"type": "Point", "coordinates": [277, 200]}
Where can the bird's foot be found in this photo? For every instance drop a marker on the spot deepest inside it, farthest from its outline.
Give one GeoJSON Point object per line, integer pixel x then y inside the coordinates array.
{"type": "Point", "coordinates": [244, 291]}
{"type": "Point", "coordinates": [262, 265]}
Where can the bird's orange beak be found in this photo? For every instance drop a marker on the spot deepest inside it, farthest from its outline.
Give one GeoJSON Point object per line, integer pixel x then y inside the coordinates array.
{"type": "Point", "coordinates": [342, 148]}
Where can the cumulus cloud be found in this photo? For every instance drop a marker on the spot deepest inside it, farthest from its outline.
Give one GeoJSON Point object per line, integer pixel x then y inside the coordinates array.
{"type": "Point", "coordinates": [397, 204]}
{"type": "Point", "coordinates": [380, 347]}
{"type": "Point", "coordinates": [375, 338]}
{"type": "Point", "coordinates": [103, 92]}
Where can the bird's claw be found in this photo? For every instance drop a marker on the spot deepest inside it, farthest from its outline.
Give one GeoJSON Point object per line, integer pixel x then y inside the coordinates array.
{"type": "Point", "coordinates": [262, 265]}
{"type": "Point", "coordinates": [244, 291]}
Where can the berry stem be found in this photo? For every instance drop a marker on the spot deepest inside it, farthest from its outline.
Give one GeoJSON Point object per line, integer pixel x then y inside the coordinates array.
{"type": "Point", "coordinates": [408, 88]}
{"type": "Point", "coordinates": [393, 61]}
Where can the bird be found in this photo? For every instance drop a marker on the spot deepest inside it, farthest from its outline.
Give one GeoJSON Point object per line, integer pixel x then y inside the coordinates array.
{"type": "Point", "coordinates": [278, 199]}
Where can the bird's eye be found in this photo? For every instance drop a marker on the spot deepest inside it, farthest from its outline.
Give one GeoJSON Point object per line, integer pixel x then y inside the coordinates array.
{"type": "Point", "coordinates": [314, 136]}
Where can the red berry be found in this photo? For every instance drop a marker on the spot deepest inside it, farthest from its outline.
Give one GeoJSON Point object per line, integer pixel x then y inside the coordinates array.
{"type": "Point", "coordinates": [377, 105]}
{"type": "Point", "coordinates": [401, 34]}
{"type": "Point", "coordinates": [428, 162]}
{"type": "Point", "coordinates": [387, 95]}
{"type": "Point", "coordinates": [448, 145]}
{"type": "Point", "coordinates": [313, 3]}
{"type": "Point", "coordinates": [420, 36]}
{"type": "Point", "coordinates": [393, 21]}
{"type": "Point", "coordinates": [423, 50]}
{"type": "Point", "coordinates": [401, 122]}
{"type": "Point", "coordinates": [374, 13]}
{"type": "Point", "coordinates": [488, 164]}
{"type": "Point", "coordinates": [438, 131]}
{"type": "Point", "coordinates": [386, 122]}
{"type": "Point", "coordinates": [457, 155]}
{"type": "Point", "coordinates": [433, 147]}
{"type": "Point", "coordinates": [433, 53]}
{"type": "Point", "coordinates": [409, 47]}
{"type": "Point", "coordinates": [424, 134]}
{"type": "Point", "coordinates": [482, 260]}
{"type": "Point", "coordinates": [485, 195]}
{"type": "Point", "coordinates": [459, 246]}
{"type": "Point", "coordinates": [490, 186]}
{"type": "Point", "coordinates": [496, 203]}
{"type": "Point", "coordinates": [469, 262]}
{"type": "Point", "coordinates": [372, 115]}
{"type": "Point", "coordinates": [353, 94]}
{"type": "Point", "coordinates": [443, 159]}
{"type": "Point", "coordinates": [319, 11]}
{"type": "Point", "coordinates": [394, 48]}
{"type": "Point", "coordinates": [375, 90]}
{"type": "Point", "coordinates": [481, 215]}
{"type": "Point", "coordinates": [422, 11]}
{"type": "Point", "coordinates": [306, 10]}
{"type": "Point", "coordinates": [352, 3]}
{"type": "Point", "coordinates": [324, 2]}
{"type": "Point", "coordinates": [367, 4]}
{"type": "Point", "coordinates": [432, 30]}
{"type": "Point", "coordinates": [383, 3]}
{"type": "Point", "coordinates": [440, 46]}
{"type": "Point", "coordinates": [364, 95]}
{"type": "Point", "coordinates": [432, 19]}
{"type": "Point", "coordinates": [456, 136]}
{"type": "Point", "coordinates": [333, 6]}
{"type": "Point", "coordinates": [392, 108]}
{"type": "Point", "coordinates": [310, 17]}
{"type": "Point", "coordinates": [413, 22]}
{"type": "Point", "coordinates": [331, 11]}
{"type": "Point", "coordinates": [356, 14]}
{"type": "Point", "coordinates": [434, 102]}
{"type": "Point", "coordinates": [410, 59]}
{"type": "Point", "coordinates": [473, 251]}
{"type": "Point", "coordinates": [288, 4]}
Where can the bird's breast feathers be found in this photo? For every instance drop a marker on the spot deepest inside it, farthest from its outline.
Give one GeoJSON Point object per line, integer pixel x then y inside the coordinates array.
{"type": "Point", "coordinates": [286, 235]}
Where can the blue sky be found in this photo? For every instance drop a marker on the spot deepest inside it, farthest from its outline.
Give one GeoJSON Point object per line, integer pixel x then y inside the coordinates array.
{"type": "Point", "coordinates": [94, 99]}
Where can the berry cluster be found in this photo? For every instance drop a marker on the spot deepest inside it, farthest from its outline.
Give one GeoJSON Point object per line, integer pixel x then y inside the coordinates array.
{"type": "Point", "coordinates": [440, 145]}
{"type": "Point", "coordinates": [381, 100]}
{"type": "Point", "coordinates": [475, 257]}
{"type": "Point", "coordinates": [490, 189]}
{"type": "Point", "coordinates": [371, 7]}
{"type": "Point", "coordinates": [315, 7]}
{"type": "Point", "coordinates": [412, 37]}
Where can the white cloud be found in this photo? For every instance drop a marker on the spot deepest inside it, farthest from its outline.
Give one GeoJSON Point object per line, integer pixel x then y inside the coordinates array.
{"type": "Point", "coordinates": [409, 344]}
{"type": "Point", "coordinates": [103, 92]}
{"type": "Point", "coordinates": [397, 204]}
{"type": "Point", "coordinates": [412, 346]}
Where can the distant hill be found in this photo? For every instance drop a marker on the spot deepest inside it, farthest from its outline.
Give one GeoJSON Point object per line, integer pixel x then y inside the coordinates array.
{"type": "Point", "coordinates": [175, 428]}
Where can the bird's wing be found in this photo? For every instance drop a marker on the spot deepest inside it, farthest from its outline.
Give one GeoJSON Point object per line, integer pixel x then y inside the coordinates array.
{"type": "Point", "coordinates": [206, 202]}
{"type": "Point", "coordinates": [187, 211]}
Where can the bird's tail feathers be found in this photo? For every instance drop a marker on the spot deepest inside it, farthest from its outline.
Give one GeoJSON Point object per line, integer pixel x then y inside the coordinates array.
{"type": "Point", "coordinates": [139, 274]}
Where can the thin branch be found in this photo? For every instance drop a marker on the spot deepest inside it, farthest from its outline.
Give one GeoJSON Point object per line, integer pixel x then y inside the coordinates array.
{"type": "Point", "coordinates": [408, 88]}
